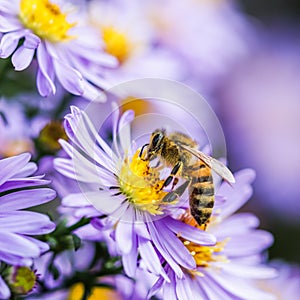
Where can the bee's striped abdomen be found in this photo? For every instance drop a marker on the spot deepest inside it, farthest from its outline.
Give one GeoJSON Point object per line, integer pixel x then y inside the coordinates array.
{"type": "Point", "coordinates": [201, 192]}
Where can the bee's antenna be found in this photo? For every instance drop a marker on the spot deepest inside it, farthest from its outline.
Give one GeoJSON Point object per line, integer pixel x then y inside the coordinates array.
{"type": "Point", "coordinates": [142, 150]}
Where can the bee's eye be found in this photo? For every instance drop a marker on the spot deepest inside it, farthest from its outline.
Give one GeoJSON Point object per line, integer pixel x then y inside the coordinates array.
{"type": "Point", "coordinates": [156, 140]}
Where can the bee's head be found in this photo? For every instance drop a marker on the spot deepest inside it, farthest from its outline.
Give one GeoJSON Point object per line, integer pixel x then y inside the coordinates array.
{"type": "Point", "coordinates": [156, 143]}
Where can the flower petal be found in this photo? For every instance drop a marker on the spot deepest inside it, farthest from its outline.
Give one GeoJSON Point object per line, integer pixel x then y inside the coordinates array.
{"type": "Point", "coordinates": [161, 247]}
{"type": "Point", "coordinates": [45, 75]}
{"type": "Point", "coordinates": [26, 222]}
{"type": "Point", "coordinates": [69, 78]}
{"type": "Point", "coordinates": [9, 43]}
{"type": "Point", "coordinates": [124, 130]}
{"type": "Point", "coordinates": [124, 236]}
{"type": "Point", "coordinates": [22, 183]}
{"type": "Point", "coordinates": [9, 24]}
{"type": "Point", "coordinates": [238, 194]}
{"type": "Point", "coordinates": [249, 244]}
{"type": "Point", "coordinates": [25, 199]}
{"type": "Point", "coordinates": [240, 223]}
{"type": "Point", "coordinates": [4, 290]}
{"type": "Point", "coordinates": [22, 58]}
{"type": "Point", "coordinates": [150, 258]}
{"type": "Point", "coordinates": [129, 260]}
{"type": "Point", "coordinates": [245, 271]}
{"type": "Point", "coordinates": [188, 232]}
{"type": "Point", "coordinates": [17, 245]}
{"type": "Point", "coordinates": [16, 260]}
{"type": "Point", "coordinates": [10, 166]}
{"type": "Point", "coordinates": [27, 170]}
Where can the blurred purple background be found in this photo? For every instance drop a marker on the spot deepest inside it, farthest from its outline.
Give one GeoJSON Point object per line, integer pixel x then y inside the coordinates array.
{"type": "Point", "coordinates": [258, 102]}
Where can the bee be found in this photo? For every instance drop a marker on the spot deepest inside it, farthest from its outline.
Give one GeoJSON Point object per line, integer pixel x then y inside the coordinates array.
{"type": "Point", "coordinates": [180, 152]}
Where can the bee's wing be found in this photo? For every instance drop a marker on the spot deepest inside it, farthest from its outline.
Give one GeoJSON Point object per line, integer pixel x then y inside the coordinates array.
{"type": "Point", "coordinates": [213, 163]}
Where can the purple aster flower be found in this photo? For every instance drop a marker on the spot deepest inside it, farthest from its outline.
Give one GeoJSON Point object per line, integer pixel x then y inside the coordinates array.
{"type": "Point", "coordinates": [132, 45]}
{"type": "Point", "coordinates": [227, 269]}
{"type": "Point", "coordinates": [18, 192]}
{"type": "Point", "coordinates": [130, 204]}
{"type": "Point", "coordinates": [64, 46]}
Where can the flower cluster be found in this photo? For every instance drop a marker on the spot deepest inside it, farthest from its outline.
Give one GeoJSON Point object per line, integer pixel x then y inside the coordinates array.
{"type": "Point", "coordinates": [134, 199]}
{"type": "Point", "coordinates": [19, 190]}
{"type": "Point", "coordinates": [123, 195]}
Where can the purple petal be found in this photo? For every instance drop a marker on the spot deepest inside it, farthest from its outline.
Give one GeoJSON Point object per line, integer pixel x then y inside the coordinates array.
{"type": "Point", "coordinates": [17, 245]}
{"type": "Point", "coordinates": [44, 87]}
{"type": "Point", "coordinates": [141, 230]}
{"type": "Point", "coordinates": [9, 7]}
{"type": "Point", "coordinates": [22, 58]}
{"type": "Point", "coordinates": [69, 78]}
{"type": "Point", "coordinates": [27, 170]}
{"type": "Point", "coordinates": [92, 93]}
{"type": "Point", "coordinates": [169, 288]}
{"type": "Point", "coordinates": [161, 247]}
{"type": "Point", "coordinates": [88, 212]}
{"type": "Point", "coordinates": [103, 202]}
{"type": "Point", "coordinates": [8, 23]}
{"type": "Point", "coordinates": [32, 41]}
{"type": "Point", "coordinates": [22, 183]}
{"type": "Point", "coordinates": [175, 247]}
{"type": "Point", "coordinates": [42, 245]}
{"type": "Point", "coordinates": [215, 291]}
{"type": "Point", "coordinates": [150, 258]}
{"type": "Point", "coordinates": [238, 194]}
{"type": "Point", "coordinates": [26, 222]}
{"type": "Point", "coordinates": [188, 232]}
{"type": "Point", "coordinates": [130, 260]}
{"type": "Point", "coordinates": [4, 290]}
{"type": "Point", "coordinates": [124, 237]}
{"type": "Point", "coordinates": [25, 199]}
{"type": "Point", "coordinates": [45, 75]}
{"type": "Point", "coordinates": [9, 43]}
{"type": "Point", "coordinates": [235, 287]}
{"type": "Point", "coordinates": [196, 286]}
{"type": "Point", "coordinates": [249, 244]}
{"type": "Point", "coordinates": [76, 200]}
{"type": "Point", "coordinates": [10, 166]}
{"type": "Point", "coordinates": [156, 287]}
{"type": "Point", "coordinates": [245, 271]}
{"type": "Point", "coordinates": [240, 223]}
{"type": "Point", "coordinates": [183, 289]}
{"type": "Point", "coordinates": [15, 259]}
{"type": "Point", "coordinates": [124, 129]}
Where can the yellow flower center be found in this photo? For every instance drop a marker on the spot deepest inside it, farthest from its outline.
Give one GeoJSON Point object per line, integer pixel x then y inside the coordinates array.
{"type": "Point", "coordinates": [77, 291]}
{"type": "Point", "coordinates": [116, 43]}
{"type": "Point", "coordinates": [49, 136]}
{"type": "Point", "coordinates": [138, 105]}
{"type": "Point", "coordinates": [45, 19]}
{"type": "Point", "coordinates": [203, 255]}
{"type": "Point", "coordinates": [142, 185]}
{"type": "Point", "coordinates": [21, 280]}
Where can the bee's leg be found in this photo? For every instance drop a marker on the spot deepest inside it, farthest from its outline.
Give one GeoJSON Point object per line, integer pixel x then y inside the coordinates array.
{"type": "Point", "coordinates": [142, 150]}
{"type": "Point", "coordinates": [172, 196]}
{"type": "Point", "coordinates": [175, 181]}
{"type": "Point", "coordinates": [174, 171]}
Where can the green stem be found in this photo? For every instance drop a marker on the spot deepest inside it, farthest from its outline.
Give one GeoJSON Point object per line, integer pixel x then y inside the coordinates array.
{"type": "Point", "coordinates": [82, 222]}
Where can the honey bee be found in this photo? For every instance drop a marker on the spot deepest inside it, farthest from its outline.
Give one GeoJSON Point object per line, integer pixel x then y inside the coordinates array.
{"type": "Point", "coordinates": [180, 152]}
